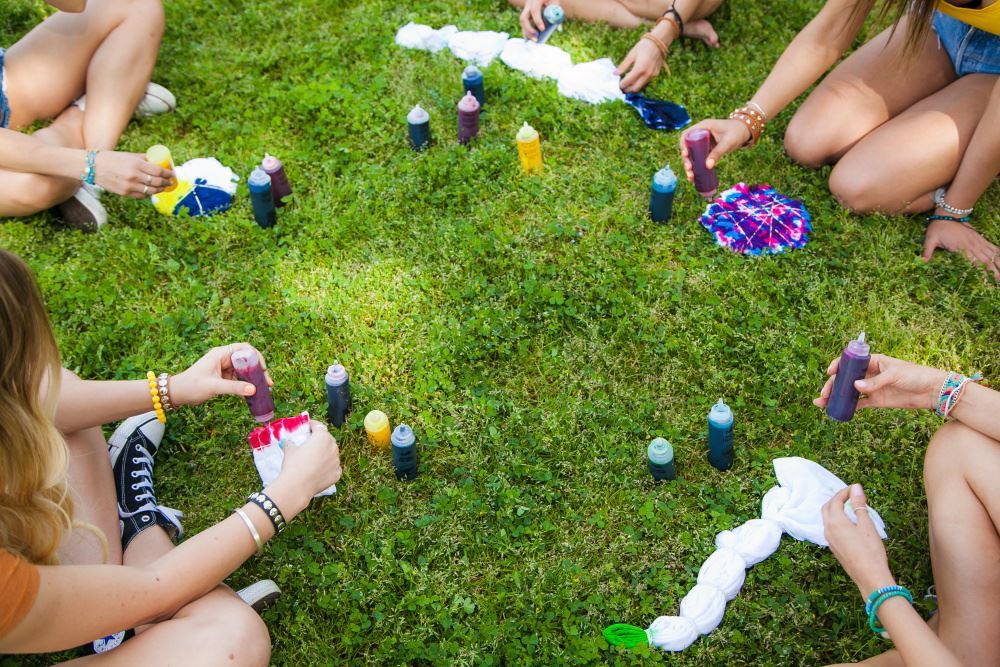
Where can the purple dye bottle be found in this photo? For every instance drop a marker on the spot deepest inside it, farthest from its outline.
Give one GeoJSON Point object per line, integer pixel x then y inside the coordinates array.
{"type": "Point", "coordinates": [279, 181]}
{"type": "Point", "coordinates": [468, 118]}
{"type": "Point", "coordinates": [249, 368]}
{"type": "Point", "coordinates": [853, 367]}
{"type": "Point", "coordinates": [699, 145]}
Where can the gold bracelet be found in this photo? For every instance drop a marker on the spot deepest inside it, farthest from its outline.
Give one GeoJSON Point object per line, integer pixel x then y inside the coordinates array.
{"type": "Point", "coordinates": [154, 393]}
{"type": "Point", "coordinates": [252, 528]}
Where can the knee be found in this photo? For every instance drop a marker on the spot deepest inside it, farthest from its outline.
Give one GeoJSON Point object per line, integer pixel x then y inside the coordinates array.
{"type": "Point", "coordinates": [856, 188]}
{"type": "Point", "coordinates": [150, 12]}
{"type": "Point", "coordinates": [804, 145]}
{"type": "Point", "coordinates": [242, 638]}
{"type": "Point", "coordinates": [952, 450]}
{"type": "Point", "coordinates": [31, 193]}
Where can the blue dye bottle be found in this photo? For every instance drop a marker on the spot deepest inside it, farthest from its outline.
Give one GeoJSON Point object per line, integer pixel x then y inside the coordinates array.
{"type": "Point", "coordinates": [661, 201]}
{"type": "Point", "coordinates": [552, 18]}
{"type": "Point", "coordinates": [720, 436]}
{"type": "Point", "coordinates": [472, 82]}
{"type": "Point", "coordinates": [338, 394]}
{"type": "Point", "coordinates": [660, 454]}
{"type": "Point", "coordinates": [404, 452]}
{"type": "Point", "coordinates": [261, 198]}
{"type": "Point", "coordinates": [419, 123]}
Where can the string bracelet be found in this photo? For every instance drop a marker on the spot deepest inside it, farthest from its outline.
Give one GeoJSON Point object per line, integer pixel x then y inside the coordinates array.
{"type": "Point", "coordinates": [667, 18]}
{"type": "Point", "coordinates": [951, 391]}
{"type": "Point", "coordinates": [877, 599]}
{"type": "Point", "coordinates": [659, 43]}
{"type": "Point", "coordinates": [677, 17]}
{"type": "Point", "coordinates": [154, 394]}
{"type": "Point", "coordinates": [754, 119]}
{"type": "Point", "coordinates": [252, 528]}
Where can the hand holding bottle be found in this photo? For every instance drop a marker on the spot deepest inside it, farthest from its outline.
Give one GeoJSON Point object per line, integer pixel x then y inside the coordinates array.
{"type": "Point", "coordinates": [891, 383]}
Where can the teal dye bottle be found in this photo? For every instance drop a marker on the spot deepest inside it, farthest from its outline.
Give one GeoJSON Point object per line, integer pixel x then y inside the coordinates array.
{"type": "Point", "coordinates": [262, 198]}
{"type": "Point", "coordinates": [404, 452]}
{"type": "Point", "coordinates": [552, 18]}
{"type": "Point", "coordinates": [720, 436]}
{"type": "Point", "coordinates": [660, 454]}
{"type": "Point", "coordinates": [472, 82]}
{"type": "Point", "coordinates": [661, 201]}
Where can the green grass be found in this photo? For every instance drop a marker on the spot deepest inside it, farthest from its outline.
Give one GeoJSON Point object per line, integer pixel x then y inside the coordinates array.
{"type": "Point", "coordinates": [535, 331]}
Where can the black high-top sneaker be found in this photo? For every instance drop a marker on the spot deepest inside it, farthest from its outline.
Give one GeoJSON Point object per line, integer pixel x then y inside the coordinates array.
{"type": "Point", "coordinates": [132, 449]}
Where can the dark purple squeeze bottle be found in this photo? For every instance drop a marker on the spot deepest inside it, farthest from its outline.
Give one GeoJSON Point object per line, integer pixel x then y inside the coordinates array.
{"type": "Point", "coordinates": [699, 145]}
{"type": "Point", "coordinates": [853, 367]}
{"type": "Point", "coordinates": [468, 118]}
{"type": "Point", "coordinates": [248, 367]}
{"type": "Point", "coordinates": [279, 181]}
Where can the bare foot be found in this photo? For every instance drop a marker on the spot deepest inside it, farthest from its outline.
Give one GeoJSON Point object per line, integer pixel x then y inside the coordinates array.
{"type": "Point", "coordinates": [703, 30]}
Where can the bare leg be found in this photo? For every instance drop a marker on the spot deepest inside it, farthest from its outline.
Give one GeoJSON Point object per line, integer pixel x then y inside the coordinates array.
{"type": "Point", "coordinates": [633, 13]}
{"type": "Point", "coordinates": [963, 501]}
{"type": "Point", "coordinates": [861, 94]}
{"type": "Point", "coordinates": [93, 488]}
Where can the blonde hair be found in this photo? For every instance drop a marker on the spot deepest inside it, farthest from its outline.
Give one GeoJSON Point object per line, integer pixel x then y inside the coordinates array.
{"type": "Point", "coordinates": [35, 507]}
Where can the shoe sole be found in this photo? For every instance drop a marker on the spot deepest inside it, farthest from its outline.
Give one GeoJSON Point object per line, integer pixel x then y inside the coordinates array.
{"type": "Point", "coordinates": [157, 100]}
{"type": "Point", "coordinates": [260, 595]}
{"type": "Point", "coordinates": [79, 215]}
{"type": "Point", "coordinates": [118, 439]}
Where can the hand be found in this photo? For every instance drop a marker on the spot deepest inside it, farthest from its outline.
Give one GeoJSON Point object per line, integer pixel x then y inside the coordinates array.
{"type": "Point", "coordinates": [129, 175]}
{"type": "Point", "coordinates": [956, 237]}
{"type": "Point", "coordinates": [315, 465]}
{"type": "Point", "coordinates": [728, 134]}
{"type": "Point", "coordinates": [531, 17]}
{"type": "Point", "coordinates": [858, 547]}
{"type": "Point", "coordinates": [891, 383]}
{"type": "Point", "coordinates": [212, 376]}
{"type": "Point", "coordinates": [645, 62]}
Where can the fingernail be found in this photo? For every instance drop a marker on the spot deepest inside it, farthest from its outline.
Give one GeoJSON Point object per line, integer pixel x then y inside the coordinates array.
{"type": "Point", "coordinates": [249, 391]}
{"type": "Point", "coordinates": [856, 490]}
{"type": "Point", "coordinates": [861, 384]}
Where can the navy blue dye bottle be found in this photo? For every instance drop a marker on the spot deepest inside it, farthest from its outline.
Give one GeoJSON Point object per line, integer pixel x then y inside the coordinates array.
{"type": "Point", "coordinates": [661, 200]}
{"type": "Point", "coordinates": [418, 123]}
{"type": "Point", "coordinates": [262, 198]}
{"type": "Point", "coordinates": [338, 394]}
{"type": "Point", "coordinates": [720, 436]}
{"type": "Point", "coordinates": [404, 452]}
{"type": "Point", "coordinates": [472, 82]}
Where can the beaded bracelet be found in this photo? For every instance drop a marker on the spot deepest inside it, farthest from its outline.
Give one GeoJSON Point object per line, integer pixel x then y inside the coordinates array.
{"type": "Point", "coordinates": [951, 391]}
{"type": "Point", "coordinates": [163, 382]}
{"type": "Point", "coordinates": [261, 500]}
{"type": "Point", "coordinates": [91, 171]}
{"type": "Point", "coordinates": [965, 219]}
{"type": "Point", "coordinates": [942, 204]}
{"type": "Point", "coordinates": [155, 395]}
{"type": "Point", "coordinates": [877, 598]}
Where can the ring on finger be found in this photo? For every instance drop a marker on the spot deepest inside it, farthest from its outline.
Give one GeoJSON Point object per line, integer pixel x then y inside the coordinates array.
{"type": "Point", "coordinates": [145, 189]}
{"type": "Point", "coordinates": [149, 179]}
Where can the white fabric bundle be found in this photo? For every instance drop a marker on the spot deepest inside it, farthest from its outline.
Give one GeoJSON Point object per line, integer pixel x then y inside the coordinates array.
{"type": "Point", "coordinates": [540, 61]}
{"type": "Point", "coordinates": [794, 506]}
{"type": "Point", "coordinates": [480, 48]}
{"type": "Point", "coordinates": [593, 82]}
{"type": "Point", "coordinates": [416, 36]}
{"type": "Point", "coordinates": [268, 444]}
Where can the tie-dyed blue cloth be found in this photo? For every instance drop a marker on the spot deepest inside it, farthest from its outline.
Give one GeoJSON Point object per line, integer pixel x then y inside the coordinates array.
{"type": "Point", "coordinates": [658, 114]}
{"type": "Point", "coordinates": [757, 220]}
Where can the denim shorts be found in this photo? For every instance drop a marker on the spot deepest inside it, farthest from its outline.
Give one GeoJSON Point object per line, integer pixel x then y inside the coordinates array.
{"type": "Point", "coordinates": [972, 51]}
{"type": "Point", "coordinates": [4, 106]}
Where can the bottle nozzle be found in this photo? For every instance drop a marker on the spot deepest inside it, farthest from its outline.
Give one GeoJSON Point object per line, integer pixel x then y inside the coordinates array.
{"type": "Point", "coordinates": [721, 402]}
{"type": "Point", "coordinates": [861, 338]}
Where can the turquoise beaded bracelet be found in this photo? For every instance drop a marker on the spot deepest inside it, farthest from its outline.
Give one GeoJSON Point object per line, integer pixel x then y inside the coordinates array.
{"type": "Point", "coordinates": [877, 598]}
{"type": "Point", "coordinates": [91, 171]}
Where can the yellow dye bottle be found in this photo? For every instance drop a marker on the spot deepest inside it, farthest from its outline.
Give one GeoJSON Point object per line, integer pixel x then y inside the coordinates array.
{"type": "Point", "coordinates": [160, 156]}
{"type": "Point", "coordinates": [377, 427]}
{"type": "Point", "coordinates": [529, 149]}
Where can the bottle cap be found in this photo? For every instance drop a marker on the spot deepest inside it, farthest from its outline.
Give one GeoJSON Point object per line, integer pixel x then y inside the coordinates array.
{"type": "Point", "coordinates": [665, 178]}
{"type": "Point", "coordinates": [721, 413]}
{"type": "Point", "coordinates": [258, 177]}
{"type": "Point", "coordinates": [468, 103]}
{"type": "Point", "coordinates": [336, 375]}
{"type": "Point", "coordinates": [527, 133]}
{"type": "Point", "coordinates": [859, 347]}
{"type": "Point", "coordinates": [698, 135]}
{"type": "Point", "coordinates": [270, 163]}
{"type": "Point", "coordinates": [245, 358]}
{"type": "Point", "coordinates": [660, 451]}
{"type": "Point", "coordinates": [554, 14]}
{"type": "Point", "coordinates": [403, 436]}
{"type": "Point", "coordinates": [375, 421]}
{"type": "Point", "coordinates": [158, 154]}
{"type": "Point", "coordinates": [417, 116]}
{"type": "Point", "coordinates": [471, 72]}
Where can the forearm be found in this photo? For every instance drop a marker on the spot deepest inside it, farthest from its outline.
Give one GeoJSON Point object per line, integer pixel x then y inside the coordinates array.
{"type": "Point", "coordinates": [978, 409]}
{"type": "Point", "coordinates": [916, 642]}
{"type": "Point", "coordinates": [25, 154]}
{"type": "Point", "coordinates": [87, 403]}
{"type": "Point", "coordinates": [981, 162]}
{"type": "Point", "coordinates": [813, 51]}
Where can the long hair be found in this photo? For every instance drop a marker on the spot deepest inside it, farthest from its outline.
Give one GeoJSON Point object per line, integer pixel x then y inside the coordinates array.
{"type": "Point", "coordinates": [35, 507]}
{"type": "Point", "coordinates": [919, 16]}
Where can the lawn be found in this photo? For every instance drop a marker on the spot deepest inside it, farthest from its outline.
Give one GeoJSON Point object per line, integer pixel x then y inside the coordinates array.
{"type": "Point", "coordinates": [536, 332]}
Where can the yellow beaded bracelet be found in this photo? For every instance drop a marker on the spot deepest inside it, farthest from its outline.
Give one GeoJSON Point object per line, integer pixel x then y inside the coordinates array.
{"type": "Point", "coordinates": [155, 395]}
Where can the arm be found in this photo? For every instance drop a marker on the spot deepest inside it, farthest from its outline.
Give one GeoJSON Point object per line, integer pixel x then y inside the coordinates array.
{"type": "Point", "coordinates": [859, 549]}
{"type": "Point", "coordinates": [813, 51]}
{"type": "Point", "coordinates": [87, 403]}
{"type": "Point", "coordinates": [77, 603]}
{"type": "Point", "coordinates": [978, 409]}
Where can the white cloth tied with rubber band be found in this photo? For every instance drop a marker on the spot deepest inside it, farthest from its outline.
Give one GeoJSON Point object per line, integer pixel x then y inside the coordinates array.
{"type": "Point", "coordinates": [794, 506]}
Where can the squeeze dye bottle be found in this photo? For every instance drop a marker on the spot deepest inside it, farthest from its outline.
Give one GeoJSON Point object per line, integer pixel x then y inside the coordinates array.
{"type": "Point", "coordinates": [468, 119]}
{"type": "Point", "coordinates": [661, 460]}
{"type": "Point", "coordinates": [418, 123]}
{"type": "Point", "coordinates": [529, 149]}
{"type": "Point", "coordinates": [853, 366]}
{"type": "Point", "coordinates": [720, 436]}
{"type": "Point", "coordinates": [472, 82]}
{"type": "Point", "coordinates": [404, 452]}
{"type": "Point", "coordinates": [377, 427]}
{"type": "Point", "coordinates": [661, 201]}
{"type": "Point", "coordinates": [160, 156]}
{"type": "Point", "coordinates": [249, 368]}
{"type": "Point", "coordinates": [262, 198]}
{"type": "Point", "coordinates": [552, 18]}
{"type": "Point", "coordinates": [699, 145]}
{"type": "Point", "coordinates": [279, 181]}
{"type": "Point", "coordinates": [338, 394]}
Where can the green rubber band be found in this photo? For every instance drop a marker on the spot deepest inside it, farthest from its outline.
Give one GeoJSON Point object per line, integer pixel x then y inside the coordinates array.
{"type": "Point", "coordinates": [873, 621]}
{"type": "Point", "coordinates": [622, 634]}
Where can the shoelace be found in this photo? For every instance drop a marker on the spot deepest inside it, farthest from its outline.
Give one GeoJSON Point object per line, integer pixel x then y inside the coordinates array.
{"type": "Point", "coordinates": [145, 476]}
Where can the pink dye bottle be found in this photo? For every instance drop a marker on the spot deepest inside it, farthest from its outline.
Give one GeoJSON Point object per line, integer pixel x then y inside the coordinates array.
{"type": "Point", "coordinates": [249, 368]}
{"type": "Point", "coordinates": [699, 144]}
{"type": "Point", "coordinates": [279, 181]}
{"type": "Point", "coordinates": [468, 118]}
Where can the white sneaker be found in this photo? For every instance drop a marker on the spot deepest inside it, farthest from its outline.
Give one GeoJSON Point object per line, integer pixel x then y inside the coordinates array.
{"type": "Point", "coordinates": [83, 210]}
{"type": "Point", "coordinates": [260, 595]}
{"type": "Point", "coordinates": [157, 100]}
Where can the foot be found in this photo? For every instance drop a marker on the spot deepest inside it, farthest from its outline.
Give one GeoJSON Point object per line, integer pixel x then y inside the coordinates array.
{"type": "Point", "coordinates": [84, 210]}
{"type": "Point", "coordinates": [157, 100]}
{"type": "Point", "coordinates": [260, 595]}
{"type": "Point", "coordinates": [702, 30]}
{"type": "Point", "coordinates": [132, 449]}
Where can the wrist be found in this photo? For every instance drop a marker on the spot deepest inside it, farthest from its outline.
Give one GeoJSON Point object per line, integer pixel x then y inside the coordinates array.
{"type": "Point", "coordinates": [933, 393]}
{"type": "Point", "coordinates": [875, 582]}
{"type": "Point", "coordinates": [666, 30]}
{"type": "Point", "coordinates": [289, 495]}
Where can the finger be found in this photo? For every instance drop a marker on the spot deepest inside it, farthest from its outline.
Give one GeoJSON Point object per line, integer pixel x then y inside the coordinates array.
{"type": "Point", "coordinates": [536, 16]}
{"type": "Point", "coordinates": [930, 245]}
{"type": "Point", "coordinates": [317, 426]}
{"type": "Point", "coordinates": [827, 389]}
{"type": "Point", "coordinates": [626, 63]}
{"type": "Point", "coordinates": [225, 387]}
{"type": "Point", "coordinates": [833, 367]}
{"type": "Point", "coordinates": [267, 376]}
{"type": "Point", "coordinates": [860, 504]}
{"type": "Point", "coordinates": [155, 170]}
{"type": "Point", "coordinates": [872, 384]}
{"type": "Point", "coordinates": [834, 508]}
{"type": "Point", "coordinates": [526, 29]}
